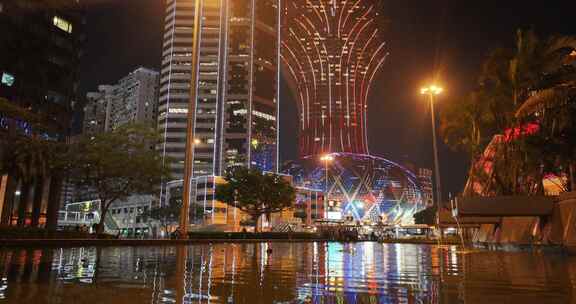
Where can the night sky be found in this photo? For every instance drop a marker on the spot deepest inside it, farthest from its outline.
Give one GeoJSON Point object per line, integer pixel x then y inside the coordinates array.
{"type": "Point", "coordinates": [444, 40]}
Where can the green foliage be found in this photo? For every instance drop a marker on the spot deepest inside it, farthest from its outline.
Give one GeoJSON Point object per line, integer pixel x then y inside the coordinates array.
{"type": "Point", "coordinates": [27, 155]}
{"type": "Point", "coordinates": [556, 140]}
{"type": "Point", "coordinates": [255, 193]}
{"type": "Point", "coordinates": [118, 164]}
{"type": "Point", "coordinates": [508, 78]}
{"type": "Point", "coordinates": [168, 216]}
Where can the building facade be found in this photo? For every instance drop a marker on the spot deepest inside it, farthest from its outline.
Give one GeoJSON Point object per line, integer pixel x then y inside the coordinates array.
{"type": "Point", "coordinates": [97, 110]}
{"type": "Point", "coordinates": [331, 51]}
{"type": "Point", "coordinates": [425, 179]}
{"type": "Point", "coordinates": [136, 98]}
{"type": "Point", "coordinates": [236, 110]}
{"type": "Point", "coordinates": [40, 50]}
{"type": "Point", "coordinates": [133, 99]}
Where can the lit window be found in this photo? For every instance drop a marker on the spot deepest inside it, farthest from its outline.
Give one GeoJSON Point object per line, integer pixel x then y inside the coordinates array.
{"type": "Point", "coordinates": [178, 111]}
{"type": "Point", "coordinates": [62, 24]}
{"type": "Point", "coordinates": [7, 79]}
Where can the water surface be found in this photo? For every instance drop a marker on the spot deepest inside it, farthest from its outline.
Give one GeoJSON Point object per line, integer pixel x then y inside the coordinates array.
{"type": "Point", "coordinates": [283, 273]}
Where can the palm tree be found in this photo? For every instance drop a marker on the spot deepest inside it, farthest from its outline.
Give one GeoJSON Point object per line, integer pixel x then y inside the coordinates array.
{"type": "Point", "coordinates": [26, 158]}
{"type": "Point", "coordinates": [508, 78]}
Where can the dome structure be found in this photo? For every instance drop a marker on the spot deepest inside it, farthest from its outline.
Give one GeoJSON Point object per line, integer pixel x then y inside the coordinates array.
{"type": "Point", "coordinates": [361, 187]}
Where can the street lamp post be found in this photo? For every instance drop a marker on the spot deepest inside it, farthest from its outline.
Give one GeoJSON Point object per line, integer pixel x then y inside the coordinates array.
{"type": "Point", "coordinates": [326, 159]}
{"type": "Point", "coordinates": [190, 141]}
{"type": "Point", "coordinates": [432, 91]}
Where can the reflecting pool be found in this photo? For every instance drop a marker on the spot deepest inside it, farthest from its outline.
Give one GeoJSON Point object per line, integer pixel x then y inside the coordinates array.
{"type": "Point", "coordinates": [283, 273]}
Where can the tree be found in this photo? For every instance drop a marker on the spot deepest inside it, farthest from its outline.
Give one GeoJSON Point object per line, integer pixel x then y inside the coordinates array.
{"type": "Point", "coordinates": [508, 77]}
{"type": "Point", "coordinates": [554, 110]}
{"type": "Point", "coordinates": [255, 193]}
{"type": "Point", "coordinates": [117, 164]}
{"type": "Point", "coordinates": [28, 155]}
{"type": "Point", "coordinates": [167, 216]}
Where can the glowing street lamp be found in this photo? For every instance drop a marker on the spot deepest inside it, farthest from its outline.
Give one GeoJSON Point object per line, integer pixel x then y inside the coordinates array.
{"type": "Point", "coordinates": [327, 158]}
{"type": "Point", "coordinates": [432, 91]}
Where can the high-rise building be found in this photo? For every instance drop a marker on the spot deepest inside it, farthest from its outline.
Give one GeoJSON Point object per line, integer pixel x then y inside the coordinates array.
{"type": "Point", "coordinates": [97, 110]}
{"type": "Point", "coordinates": [132, 99]}
{"type": "Point", "coordinates": [332, 50]}
{"type": "Point", "coordinates": [40, 50]}
{"type": "Point", "coordinates": [136, 98]}
{"type": "Point", "coordinates": [236, 110]}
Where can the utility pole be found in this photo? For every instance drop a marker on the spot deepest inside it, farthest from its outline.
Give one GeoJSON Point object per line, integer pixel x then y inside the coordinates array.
{"type": "Point", "coordinates": [190, 140]}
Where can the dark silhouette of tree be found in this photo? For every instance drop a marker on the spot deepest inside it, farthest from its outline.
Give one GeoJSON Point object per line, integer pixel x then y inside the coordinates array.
{"type": "Point", "coordinates": [509, 78]}
{"type": "Point", "coordinates": [255, 193]}
{"type": "Point", "coordinates": [117, 164]}
{"type": "Point", "coordinates": [167, 216]}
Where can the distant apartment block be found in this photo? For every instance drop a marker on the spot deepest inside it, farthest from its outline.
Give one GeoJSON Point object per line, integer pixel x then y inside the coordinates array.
{"type": "Point", "coordinates": [97, 110]}
{"type": "Point", "coordinates": [132, 99]}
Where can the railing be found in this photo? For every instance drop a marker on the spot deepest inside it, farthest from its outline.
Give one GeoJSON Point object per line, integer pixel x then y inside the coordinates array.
{"type": "Point", "coordinates": [73, 218]}
{"type": "Point", "coordinates": [76, 218]}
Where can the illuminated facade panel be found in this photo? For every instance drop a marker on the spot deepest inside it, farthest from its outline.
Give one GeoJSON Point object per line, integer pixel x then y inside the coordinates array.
{"type": "Point", "coordinates": [235, 114]}
{"type": "Point", "coordinates": [362, 188]}
{"type": "Point", "coordinates": [331, 51]}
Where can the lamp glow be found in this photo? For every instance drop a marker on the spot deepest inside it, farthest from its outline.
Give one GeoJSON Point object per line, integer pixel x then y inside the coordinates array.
{"type": "Point", "coordinates": [432, 90]}
{"type": "Point", "coordinates": [327, 158]}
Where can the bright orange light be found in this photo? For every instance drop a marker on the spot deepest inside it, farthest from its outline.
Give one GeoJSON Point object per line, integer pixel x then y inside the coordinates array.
{"type": "Point", "coordinates": [432, 90]}
{"type": "Point", "coordinates": [327, 158]}
{"type": "Point", "coordinates": [197, 141]}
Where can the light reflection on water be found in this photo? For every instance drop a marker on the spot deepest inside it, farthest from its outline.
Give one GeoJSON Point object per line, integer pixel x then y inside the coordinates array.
{"type": "Point", "coordinates": [282, 273]}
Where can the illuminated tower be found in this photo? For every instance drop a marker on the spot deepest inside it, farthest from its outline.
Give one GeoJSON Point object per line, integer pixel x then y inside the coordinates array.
{"type": "Point", "coordinates": [235, 114]}
{"type": "Point", "coordinates": [331, 53]}
{"type": "Point", "coordinates": [332, 49]}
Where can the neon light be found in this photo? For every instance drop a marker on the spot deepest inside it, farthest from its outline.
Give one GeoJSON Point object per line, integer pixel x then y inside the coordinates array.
{"type": "Point", "coordinates": [335, 106]}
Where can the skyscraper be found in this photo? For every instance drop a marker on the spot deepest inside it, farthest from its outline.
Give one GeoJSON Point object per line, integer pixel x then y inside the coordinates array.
{"type": "Point", "coordinates": [332, 49]}
{"type": "Point", "coordinates": [41, 46]}
{"type": "Point", "coordinates": [235, 114]}
{"type": "Point", "coordinates": [331, 53]}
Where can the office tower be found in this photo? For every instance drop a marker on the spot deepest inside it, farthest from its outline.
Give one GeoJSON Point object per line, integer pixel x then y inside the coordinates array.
{"type": "Point", "coordinates": [235, 114]}
{"type": "Point", "coordinates": [40, 50]}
